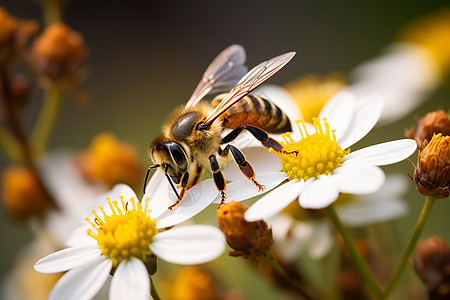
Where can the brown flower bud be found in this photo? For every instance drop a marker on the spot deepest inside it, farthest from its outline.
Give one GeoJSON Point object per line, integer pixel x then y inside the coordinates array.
{"type": "Point", "coordinates": [22, 195]}
{"type": "Point", "coordinates": [110, 161]}
{"type": "Point", "coordinates": [58, 55]}
{"type": "Point", "coordinates": [433, 122]}
{"type": "Point", "coordinates": [249, 239]}
{"type": "Point", "coordinates": [432, 174]}
{"type": "Point", "coordinates": [432, 264]}
{"type": "Point", "coordinates": [14, 34]}
{"type": "Point", "coordinates": [194, 283]}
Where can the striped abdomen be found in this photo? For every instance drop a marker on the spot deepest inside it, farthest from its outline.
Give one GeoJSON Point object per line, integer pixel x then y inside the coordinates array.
{"type": "Point", "coordinates": [255, 111]}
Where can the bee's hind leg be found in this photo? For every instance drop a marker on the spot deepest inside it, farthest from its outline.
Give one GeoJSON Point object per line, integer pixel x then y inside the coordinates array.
{"type": "Point", "coordinates": [219, 180]}
{"type": "Point", "coordinates": [259, 134]}
{"type": "Point", "coordinates": [243, 164]}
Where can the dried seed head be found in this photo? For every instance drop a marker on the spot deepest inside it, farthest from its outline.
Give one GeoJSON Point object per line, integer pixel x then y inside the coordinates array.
{"type": "Point", "coordinates": [432, 174]}
{"type": "Point", "coordinates": [433, 122]}
{"type": "Point", "coordinates": [249, 239]}
{"type": "Point", "coordinates": [14, 34]}
{"type": "Point", "coordinates": [58, 55]}
{"type": "Point", "coordinates": [432, 264]}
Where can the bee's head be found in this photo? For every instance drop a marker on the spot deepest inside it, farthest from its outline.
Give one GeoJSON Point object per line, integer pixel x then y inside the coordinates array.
{"type": "Point", "coordinates": [173, 155]}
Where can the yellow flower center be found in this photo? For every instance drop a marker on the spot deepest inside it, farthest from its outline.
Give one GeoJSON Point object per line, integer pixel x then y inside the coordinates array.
{"type": "Point", "coordinates": [124, 233]}
{"type": "Point", "coordinates": [312, 92]}
{"type": "Point", "coordinates": [314, 155]}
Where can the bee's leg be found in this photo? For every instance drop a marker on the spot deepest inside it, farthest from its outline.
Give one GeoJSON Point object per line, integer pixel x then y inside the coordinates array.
{"type": "Point", "coordinates": [259, 134]}
{"type": "Point", "coordinates": [243, 164]}
{"type": "Point", "coordinates": [219, 180]}
{"type": "Point", "coordinates": [198, 172]}
{"type": "Point", "coordinates": [184, 182]}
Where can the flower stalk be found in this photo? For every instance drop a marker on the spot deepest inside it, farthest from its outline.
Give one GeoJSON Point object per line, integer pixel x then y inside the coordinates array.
{"type": "Point", "coordinates": [356, 256]}
{"type": "Point", "coordinates": [429, 202]}
{"type": "Point", "coordinates": [47, 118]}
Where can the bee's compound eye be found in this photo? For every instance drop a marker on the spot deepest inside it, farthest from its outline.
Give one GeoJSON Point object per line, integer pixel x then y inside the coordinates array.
{"type": "Point", "coordinates": [178, 154]}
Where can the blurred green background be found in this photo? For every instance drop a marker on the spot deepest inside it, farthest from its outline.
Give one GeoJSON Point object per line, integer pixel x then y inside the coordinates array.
{"type": "Point", "coordinates": [146, 58]}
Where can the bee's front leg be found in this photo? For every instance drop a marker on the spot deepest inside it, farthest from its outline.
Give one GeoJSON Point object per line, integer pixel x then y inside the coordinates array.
{"type": "Point", "coordinates": [184, 182]}
{"type": "Point", "coordinates": [219, 180]}
{"type": "Point", "coordinates": [245, 167]}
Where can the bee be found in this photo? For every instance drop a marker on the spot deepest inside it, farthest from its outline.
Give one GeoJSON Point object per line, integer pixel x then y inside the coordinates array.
{"type": "Point", "coordinates": [192, 138]}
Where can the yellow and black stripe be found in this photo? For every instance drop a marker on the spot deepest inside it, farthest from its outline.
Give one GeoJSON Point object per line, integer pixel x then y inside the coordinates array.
{"type": "Point", "coordinates": [255, 111]}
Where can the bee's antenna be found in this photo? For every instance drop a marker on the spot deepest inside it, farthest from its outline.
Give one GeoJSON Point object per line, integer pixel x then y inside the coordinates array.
{"type": "Point", "coordinates": [167, 166]}
{"type": "Point", "coordinates": [147, 174]}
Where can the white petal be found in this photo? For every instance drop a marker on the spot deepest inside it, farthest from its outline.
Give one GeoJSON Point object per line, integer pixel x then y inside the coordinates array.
{"type": "Point", "coordinates": [82, 282]}
{"type": "Point", "coordinates": [383, 154]}
{"type": "Point", "coordinates": [367, 113]}
{"type": "Point", "coordinates": [261, 160]}
{"type": "Point", "coordinates": [319, 193]}
{"type": "Point", "coordinates": [274, 201]}
{"type": "Point", "coordinates": [196, 199]}
{"type": "Point", "coordinates": [359, 178]}
{"type": "Point", "coordinates": [159, 193]}
{"type": "Point", "coordinates": [322, 239]}
{"type": "Point", "coordinates": [339, 112]}
{"type": "Point", "coordinates": [79, 237]}
{"type": "Point", "coordinates": [67, 259]}
{"type": "Point", "coordinates": [189, 245]}
{"type": "Point", "coordinates": [245, 189]}
{"type": "Point", "coordinates": [363, 211]}
{"type": "Point", "coordinates": [130, 281]}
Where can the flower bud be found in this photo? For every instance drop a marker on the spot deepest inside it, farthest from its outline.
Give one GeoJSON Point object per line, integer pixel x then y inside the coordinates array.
{"type": "Point", "coordinates": [22, 195]}
{"type": "Point", "coordinates": [194, 283]}
{"type": "Point", "coordinates": [58, 55]}
{"type": "Point", "coordinates": [432, 174]}
{"type": "Point", "coordinates": [248, 239]}
{"type": "Point", "coordinates": [14, 34]}
{"type": "Point", "coordinates": [432, 264]}
{"type": "Point", "coordinates": [433, 122]}
{"type": "Point", "coordinates": [110, 161]}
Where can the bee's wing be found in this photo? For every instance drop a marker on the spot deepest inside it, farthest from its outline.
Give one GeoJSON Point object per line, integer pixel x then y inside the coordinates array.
{"type": "Point", "coordinates": [222, 74]}
{"type": "Point", "coordinates": [248, 83]}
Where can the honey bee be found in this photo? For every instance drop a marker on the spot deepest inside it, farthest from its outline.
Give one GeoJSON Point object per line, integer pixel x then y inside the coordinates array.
{"type": "Point", "coordinates": [192, 137]}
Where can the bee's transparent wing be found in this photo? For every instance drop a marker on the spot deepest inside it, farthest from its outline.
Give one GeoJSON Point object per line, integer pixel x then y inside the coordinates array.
{"type": "Point", "coordinates": [222, 74]}
{"type": "Point", "coordinates": [248, 83]}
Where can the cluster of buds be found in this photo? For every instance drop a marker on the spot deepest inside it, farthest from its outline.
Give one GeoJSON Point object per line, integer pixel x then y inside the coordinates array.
{"type": "Point", "coordinates": [14, 34]}
{"type": "Point", "coordinates": [251, 240]}
{"type": "Point", "coordinates": [58, 55]}
{"type": "Point", "coordinates": [432, 264]}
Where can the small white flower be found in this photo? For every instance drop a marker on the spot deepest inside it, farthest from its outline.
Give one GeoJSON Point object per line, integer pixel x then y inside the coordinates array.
{"type": "Point", "coordinates": [123, 238]}
{"type": "Point", "coordinates": [323, 167]}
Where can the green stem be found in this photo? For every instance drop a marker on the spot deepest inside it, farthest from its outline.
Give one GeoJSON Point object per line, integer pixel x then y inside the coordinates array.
{"type": "Point", "coordinates": [47, 118]}
{"type": "Point", "coordinates": [153, 291]}
{"type": "Point", "coordinates": [429, 201]}
{"type": "Point", "coordinates": [10, 146]}
{"type": "Point", "coordinates": [52, 11]}
{"type": "Point", "coordinates": [351, 247]}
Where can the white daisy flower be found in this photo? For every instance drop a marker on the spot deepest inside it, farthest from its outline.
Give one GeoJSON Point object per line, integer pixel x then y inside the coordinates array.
{"type": "Point", "coordinates": [318, 165]}
{"type": "Point", "coordinates": [404, 76]}
{"type": "Point", "coordinates": [298, 231]}
{"type": "Point", "coordinates": [123, 239]}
